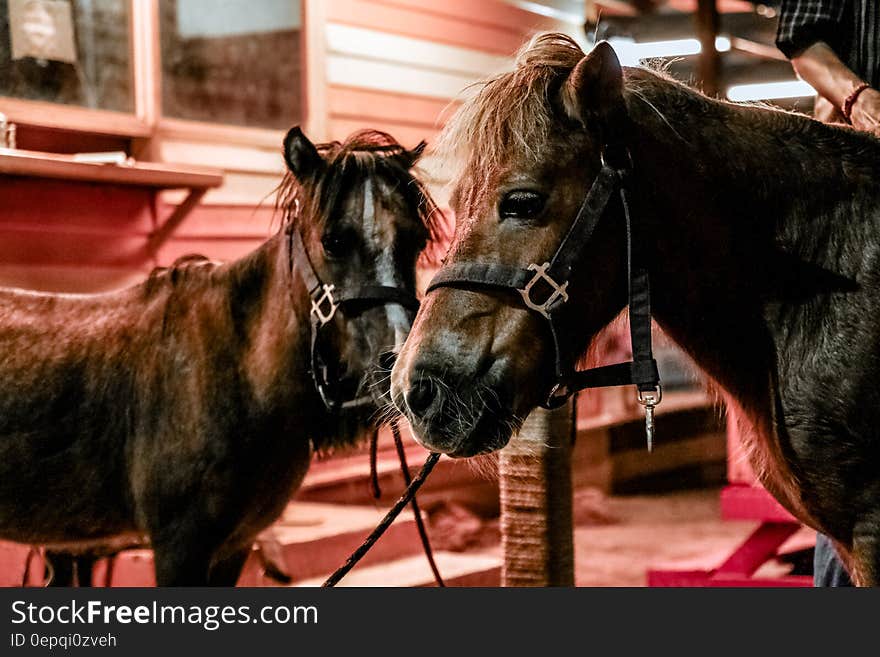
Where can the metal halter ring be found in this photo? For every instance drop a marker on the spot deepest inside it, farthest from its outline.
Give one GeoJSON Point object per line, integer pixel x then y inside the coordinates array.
{"type": "Point", "coordinates": [651, 397]}
{"type": "Point", "coordinates": [325, 299]}
{"type": "Point", "coordinates": [541, 275]}
{"type": "Point", "coordinates": [628, 164]}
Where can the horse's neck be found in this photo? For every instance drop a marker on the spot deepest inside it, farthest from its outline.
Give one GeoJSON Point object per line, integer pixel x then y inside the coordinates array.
{"type": "Point", "coordinates": [750, 169]}
{"type": "Point", "coordinates": [274, 322]}
{"type": "Point", "coordinates": [269, 308]}
{"type": "Point", "coordinates": [741, 202]}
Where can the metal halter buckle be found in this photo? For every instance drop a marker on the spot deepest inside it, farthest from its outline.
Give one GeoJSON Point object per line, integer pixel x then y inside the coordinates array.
{"type": "Point", "coordinates": [558, 290]}
{"type": "Point", "coordinates": [649, 399]}
{"type": "Point", "coordinates": [627, 165]}
{"type": "Point", "coordinates": [325, 299]}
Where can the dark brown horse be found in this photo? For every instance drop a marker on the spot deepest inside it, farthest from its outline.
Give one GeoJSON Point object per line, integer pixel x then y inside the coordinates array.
{"type": "Point", "coordinates": [184, 411]}
{"type": "Point", "coordinates": [761, 233]}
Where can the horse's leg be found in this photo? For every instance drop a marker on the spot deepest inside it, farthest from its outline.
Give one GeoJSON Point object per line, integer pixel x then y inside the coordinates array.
{"type": "Point", "coordinates": [189, 564]}
{"type": "Point", "coordinates": [69, 569]}
{"type": "Point", "coordinates": [85, 565]}
{"type": "Point", "coordinates": [227, 571]}
{"type": "Point", "coordinates": [185, 550]}
{"type": "Point", "coordinates": [182, 561]}
{"type": "Point", "coordinates": [271, 555]}
{"type": "Point", "coordinates": [63, 568]}
{"type": "Point", "coordinates": [866, 550]}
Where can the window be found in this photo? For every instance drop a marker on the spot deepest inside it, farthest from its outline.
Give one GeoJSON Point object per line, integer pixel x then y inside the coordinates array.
{"type": "Point", "coordinates": [143, 68]}
{"type": "Point", "coordinates": [237, 64]}
{"type": "Point", "coordinates": [73, 53]}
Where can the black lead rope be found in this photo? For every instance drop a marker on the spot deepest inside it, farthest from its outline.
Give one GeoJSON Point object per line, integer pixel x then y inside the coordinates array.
{"type": "Point", "coordinates": [407, 497]}
{"type": "Point", "coordinates": [417, 512]}
{"type": "Point", "coordinates": [376, 491]}
{"type": "Point", "coordinates": [642, 370]}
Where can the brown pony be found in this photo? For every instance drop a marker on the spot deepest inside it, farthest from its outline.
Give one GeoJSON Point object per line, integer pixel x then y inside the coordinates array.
{"type": "Point", "coordinates": [761, 233]}
{"type": "Point", "coordinates": [184, 411]}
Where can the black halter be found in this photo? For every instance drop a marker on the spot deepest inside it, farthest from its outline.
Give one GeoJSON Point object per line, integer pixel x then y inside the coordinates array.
{"type": "Point", "coordinates": [642, 369]}
{"type": "Point", "coordinates": [326, 300]}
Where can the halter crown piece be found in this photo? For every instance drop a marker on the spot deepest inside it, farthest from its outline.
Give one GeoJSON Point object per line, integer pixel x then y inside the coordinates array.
{"type": "Point", "coordinates": [555, 275]}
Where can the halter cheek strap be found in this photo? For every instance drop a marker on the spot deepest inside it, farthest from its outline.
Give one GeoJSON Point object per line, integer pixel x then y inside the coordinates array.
{"type": "Point", "coordinates": [326, 299]}
{"type": "Point", "coordinates": [554, 275]}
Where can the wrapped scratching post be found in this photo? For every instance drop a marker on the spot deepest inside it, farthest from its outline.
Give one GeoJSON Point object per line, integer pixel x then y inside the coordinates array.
{"type": "Point", "coordinates": [536, 502]}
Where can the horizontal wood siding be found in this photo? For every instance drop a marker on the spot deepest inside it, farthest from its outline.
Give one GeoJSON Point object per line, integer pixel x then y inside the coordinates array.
{"type": "Point", "coordinates": [76, 237]}
{"type": "Point", "coordinates": [366, 105]}
{"type": "Point", "coordinates": [222, 232]}
{"type": "Point", "coordinates": [488, 25]}
{"type": "Point", "coordinates": [71, 279]}
{"type": "Point", "coordinates": [402, 66]}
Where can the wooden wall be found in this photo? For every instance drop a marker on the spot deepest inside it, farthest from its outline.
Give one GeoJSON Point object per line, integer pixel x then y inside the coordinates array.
{"type": "Point", "coordinates": [400, 65]}
{"type": "Point", "coordinates": [394, 65]}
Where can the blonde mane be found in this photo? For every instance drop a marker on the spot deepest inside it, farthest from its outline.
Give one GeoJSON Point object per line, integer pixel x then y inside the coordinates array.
{"type": "Point", "coordinates": [516, 112]}
{"type": "Point", "coordinates": [512, 111]}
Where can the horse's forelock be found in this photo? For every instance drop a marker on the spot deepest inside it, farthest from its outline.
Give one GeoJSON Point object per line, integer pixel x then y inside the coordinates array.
{"type": "Point", "coordinates": [363, 144]}
{"type": "Point", "coordinates": [364, 154]}
{"type": "Point", "coordinates": [512, 113]}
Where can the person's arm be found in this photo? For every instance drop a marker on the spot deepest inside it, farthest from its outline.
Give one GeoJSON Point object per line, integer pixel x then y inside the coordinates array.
{"type": "Point", "coordinates": [820, 66]}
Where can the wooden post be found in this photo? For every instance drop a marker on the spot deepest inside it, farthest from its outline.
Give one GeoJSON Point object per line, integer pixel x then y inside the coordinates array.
{"type": "Point", "coordinates": [709, 64]}
{"type": "Point", "coordinates": [536, 502]}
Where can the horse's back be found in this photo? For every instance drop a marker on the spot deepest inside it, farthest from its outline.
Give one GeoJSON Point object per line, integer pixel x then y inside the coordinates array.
{"type": "Point", "coordinates": [98, 392]}
{"type": "Point", "coordinates": [64, 384]}
{"type": "Point", "coordinates": [50, 343]}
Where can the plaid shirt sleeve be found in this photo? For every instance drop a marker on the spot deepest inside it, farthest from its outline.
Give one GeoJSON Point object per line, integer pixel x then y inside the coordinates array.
{"type": "Point", "coordinates": [804, 22]}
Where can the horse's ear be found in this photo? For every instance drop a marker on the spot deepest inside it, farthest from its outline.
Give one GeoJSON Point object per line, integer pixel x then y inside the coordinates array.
{"type": "Point", "coordinates": [595, 85]}
{"type": "Point", "coordinates": [410, 157]}
{"type": "Point", "coordinates": [301, 156]}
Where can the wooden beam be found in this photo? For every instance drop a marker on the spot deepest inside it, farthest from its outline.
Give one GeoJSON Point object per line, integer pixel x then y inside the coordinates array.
{"type": "Point", "coordinates": [313, 55]}
{"type": "Point", "coordinates": [45, 114]}
{"type": "Point", "coordinates": [598, 8]}
{"type": "Point", "coordinates": [757, 49]}
{"type": "Point", "coordinates": [709, 66]}
{"type": "Point", "coordinates": [163, 232]}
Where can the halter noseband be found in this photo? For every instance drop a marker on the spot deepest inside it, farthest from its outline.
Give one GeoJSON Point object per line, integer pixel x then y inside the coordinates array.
{"type": "Point", "coordinates": [642, 370]}
{"type": "Point", "coordinates": [326, 299]}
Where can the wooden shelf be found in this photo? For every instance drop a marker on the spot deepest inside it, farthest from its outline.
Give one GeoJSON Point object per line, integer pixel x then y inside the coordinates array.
{"type": "Point", "coordinates": [152, 175]}
{"type": "Point", "coordinates": [14, 162]}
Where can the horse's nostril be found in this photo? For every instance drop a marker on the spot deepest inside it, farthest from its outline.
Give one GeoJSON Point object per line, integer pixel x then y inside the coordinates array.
{"type": "Point", "coordinates": [387, 360]}
{"type": "Point", "coordinates": [421, 396]}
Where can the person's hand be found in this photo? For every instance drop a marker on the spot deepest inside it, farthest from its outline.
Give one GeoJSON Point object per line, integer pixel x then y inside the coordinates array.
{"type": "Point", "coordinates": [866, 112]}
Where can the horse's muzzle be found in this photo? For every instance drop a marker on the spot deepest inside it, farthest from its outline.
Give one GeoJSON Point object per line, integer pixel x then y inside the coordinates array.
{"type": "Point", "coordinates": [453, 419]}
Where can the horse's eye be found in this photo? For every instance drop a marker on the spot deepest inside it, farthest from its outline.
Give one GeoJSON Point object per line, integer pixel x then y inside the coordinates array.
{"type": "Point", "coordinates": [336, 244]}
{"type": "Point", "coordinates": [520, 204]}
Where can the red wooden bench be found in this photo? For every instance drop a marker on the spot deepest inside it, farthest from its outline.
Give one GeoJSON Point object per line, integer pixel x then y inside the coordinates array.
{"type": "Point", "coordinates": [742, 499]}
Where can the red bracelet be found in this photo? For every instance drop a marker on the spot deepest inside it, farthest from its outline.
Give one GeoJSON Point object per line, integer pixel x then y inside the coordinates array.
{"type": "Point", "coordinates": [851, 100]}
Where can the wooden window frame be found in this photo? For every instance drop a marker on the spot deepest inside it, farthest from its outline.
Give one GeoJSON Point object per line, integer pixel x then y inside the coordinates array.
{"type": "Point", "coordinates": [147, 123]}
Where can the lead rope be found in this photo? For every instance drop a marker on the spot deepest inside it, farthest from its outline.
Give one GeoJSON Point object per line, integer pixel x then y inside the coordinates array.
{"type": "Point", "coordinates": [407, 497]}
{"type": "Point", "coordinates": [375, 490]}
{"type": "Point", "coordinates": [420, 522]}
